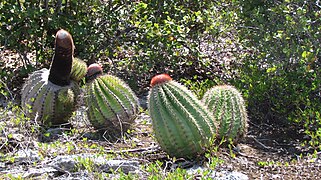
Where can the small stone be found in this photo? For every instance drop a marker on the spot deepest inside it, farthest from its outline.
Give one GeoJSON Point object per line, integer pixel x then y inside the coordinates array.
{"type": "Point", "coordinates": [227, 175]}
{"type": "Point", "coordinates": [143, 101]}
{"type": "Point", "coordinates": [27, 156]}
{"type": "Point", "coordinates": [71, 162]}
{"type": "Point", "coordinates": [126, 166]}
{"type": "Point", "coordinates": [2, 165]}
{"type": "Point", "coordinates": [64, 163]}
{"type": "Point", "coordinates": [276, 176]}
{"type": "Point", "coordinates": [219, 175]}
{"type": "Point", "coordinates": [18, 137]}
{"type": "Point", "coordinates": [36, 172]}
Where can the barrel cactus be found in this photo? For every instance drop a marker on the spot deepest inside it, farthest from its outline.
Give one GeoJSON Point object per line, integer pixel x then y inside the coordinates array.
{"type": "Point", "coordinates": [50, 96]}
{"type": "Point", "coordinates": [183, 127]}
{"type": "Point", "coordinates": [228, 107]}
{"type": "Point", "coordinates": [111, 104]}
{"type": "Point", "coordinates": [78, 70]}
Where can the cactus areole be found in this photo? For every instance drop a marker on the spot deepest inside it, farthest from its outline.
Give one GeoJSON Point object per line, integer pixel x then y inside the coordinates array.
{"type": "Point", "coordinates": [50, 96]}
{"type": "Point", "coordinates": [182, 125]}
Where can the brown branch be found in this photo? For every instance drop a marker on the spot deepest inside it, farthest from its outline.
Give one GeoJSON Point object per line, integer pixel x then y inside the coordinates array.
{"type": "Point", "coordinates": [58, 6]}
{"type": "Point", "coordinates": [150, 149]}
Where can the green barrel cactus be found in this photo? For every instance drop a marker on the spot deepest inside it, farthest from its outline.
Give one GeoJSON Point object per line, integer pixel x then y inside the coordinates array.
{"type": "Point", "coordinates": [228, 107]}
{"type": "Point", "coordinates": [50, 96]}
{"type": "Point", "coordinates": [111, 104]}
{"type": "Point", "coordinates": [78, 70]}
{"type": "Point", "coordinates": [182, 125]}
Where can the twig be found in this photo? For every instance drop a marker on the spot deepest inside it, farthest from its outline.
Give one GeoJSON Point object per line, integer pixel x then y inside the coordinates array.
{"type": "Point", "coordinates": [146, 150]}
{"type": "Point", "coordinates": [257, 141]}
{"type": "Point", "coordinates": [247, 156]}
{"type": "Point", "coordinates": [6, 139]}
{"type": "Point", "coordinates": [254, 124]}
{"type": "Point", "coordinates": [249, 27]}
{"type": "Point", "coordinates": [317, 3]}
{"type": "Point", "coordinates": [6, 87]}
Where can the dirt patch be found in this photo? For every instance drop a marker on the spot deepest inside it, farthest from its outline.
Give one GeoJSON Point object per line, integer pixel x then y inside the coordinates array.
{"type": "Point", "coordinates": [273, 152]}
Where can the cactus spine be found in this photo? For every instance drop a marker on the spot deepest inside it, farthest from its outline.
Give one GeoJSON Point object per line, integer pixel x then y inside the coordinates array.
{"type": "Point", "coordinates": [111, 104]}
{"type": "Point", "coordinates": [228, 107]}
{"type": "Point", "coordinates": [49, 96]}
{"type": "Point", "coordinates": [182, 125]}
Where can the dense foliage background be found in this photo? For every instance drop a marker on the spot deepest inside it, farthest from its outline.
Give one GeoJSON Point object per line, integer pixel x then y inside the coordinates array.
{"type": "Point", "coordinates": [267, 49]}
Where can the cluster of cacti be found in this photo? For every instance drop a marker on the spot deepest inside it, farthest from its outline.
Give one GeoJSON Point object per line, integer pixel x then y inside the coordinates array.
{"type": "Point", "coordinates": [228, 107]}
{"type": "Point", "coordinates": [111, 104]}
{"type": "Point", "coordinates": [182, 125]}
{"type": "Point", "coordinates": [50, 96]}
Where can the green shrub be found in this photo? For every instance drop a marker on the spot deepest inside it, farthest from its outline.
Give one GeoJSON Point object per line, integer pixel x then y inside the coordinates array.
{"type": "Point", "coordinates": [280, 74]}
{"type": "Point", "coordinates": [134, 39]}
{"type": "Point", "coordinates": [30, 26]}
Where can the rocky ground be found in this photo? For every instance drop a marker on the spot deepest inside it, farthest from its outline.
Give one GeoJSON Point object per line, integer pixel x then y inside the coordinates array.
{"type": "Point", "coordinates": [268, 152]}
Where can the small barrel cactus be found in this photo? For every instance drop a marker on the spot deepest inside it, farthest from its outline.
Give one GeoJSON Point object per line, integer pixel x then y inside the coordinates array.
{"type": "Point", "coordinates": [50, 96]}
{"type": "Point", "coordinates": [183, 127]}
{"type": "Point", "coordinates": [78, 70]}
{"type": "Point", "coordinates": [228, 107]}
{"type": "Point", "coordinates": [111, 104]}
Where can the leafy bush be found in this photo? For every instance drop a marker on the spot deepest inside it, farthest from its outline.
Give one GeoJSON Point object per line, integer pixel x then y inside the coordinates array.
{"type": "Point", "coordinates": [281, 75]}
{"type": "Point", "coordinates": [134, 39]}
{"type": "Point", "coordinates": [31, 26]}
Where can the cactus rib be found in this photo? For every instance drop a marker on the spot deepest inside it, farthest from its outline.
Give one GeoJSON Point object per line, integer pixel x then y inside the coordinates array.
{"type": "Point", "coordinates": [228, 108]}
{"type": "Point", "coordinates": [181, 123]}
{"type": "Point", "coordinates": [112, 105]}
{"type": "Point", "coordinates": [78, 70]}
